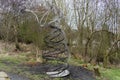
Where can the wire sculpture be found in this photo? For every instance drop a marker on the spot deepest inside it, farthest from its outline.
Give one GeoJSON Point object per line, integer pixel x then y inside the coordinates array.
{"type": "Point", "coordinates": [56, 43]}
{"type": "Point", "coordinates": [56, 49]}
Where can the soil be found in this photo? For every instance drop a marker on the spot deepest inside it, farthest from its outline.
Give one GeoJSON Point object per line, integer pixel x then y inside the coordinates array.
{"type": "Point", "coordinates": [76, 72]}
{"type": "Point", "coordinates": [16, 77]}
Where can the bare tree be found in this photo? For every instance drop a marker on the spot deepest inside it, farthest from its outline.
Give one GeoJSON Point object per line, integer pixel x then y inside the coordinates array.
{"type": "Point", "coordinates": [11, 9]}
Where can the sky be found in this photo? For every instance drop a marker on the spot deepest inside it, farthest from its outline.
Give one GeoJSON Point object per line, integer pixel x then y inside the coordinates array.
{"type": "Point", "coordinates": [70, 15]}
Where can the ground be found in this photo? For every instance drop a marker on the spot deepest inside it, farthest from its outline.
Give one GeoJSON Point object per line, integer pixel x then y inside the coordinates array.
{"type": "Point", "coordinates": [19, 67]}
{"type": "Point", "coordinates": [111, 74]}
{"type": "Point", "coordinates": [16, 70]}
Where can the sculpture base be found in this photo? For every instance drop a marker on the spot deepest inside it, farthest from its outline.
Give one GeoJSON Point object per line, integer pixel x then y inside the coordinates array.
{"type": "Point", "coordinates": [58, 73]}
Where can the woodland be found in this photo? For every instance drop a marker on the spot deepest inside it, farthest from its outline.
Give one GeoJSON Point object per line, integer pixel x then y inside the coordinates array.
{"type": "Point", "coordinates": [92, 29]}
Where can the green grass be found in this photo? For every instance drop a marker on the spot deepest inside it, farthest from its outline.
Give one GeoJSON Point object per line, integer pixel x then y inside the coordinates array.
{"type": "Point", "coordinates": [76, 62]}
{"type": "Point", "coordinates": [14, 59]}
{"type": "Point", "coordinates": [111, 74]}
{"type": "Point", "coordinates": [9, 63]}
{"type": "Point", "coordinates": [107, 74]}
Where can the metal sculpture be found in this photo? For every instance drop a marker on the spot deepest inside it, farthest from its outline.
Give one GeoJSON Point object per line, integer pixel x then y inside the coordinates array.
{"type": "Point", "coordinates": [57, 49]}
{"type": "Point", "coordinates": [56, 44]}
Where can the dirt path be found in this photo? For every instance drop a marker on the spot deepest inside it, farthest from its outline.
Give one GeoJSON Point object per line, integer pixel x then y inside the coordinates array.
{"type": "Point", "coordinates": [16, 77]}
{"type": "Point", "coordinates": [77, 72]}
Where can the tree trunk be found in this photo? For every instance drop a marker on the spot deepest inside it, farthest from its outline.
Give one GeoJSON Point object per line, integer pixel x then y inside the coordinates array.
{"type": "Point", "coordinates": [96, 71]}
{"type": "Point", "coordinates": [17, 46]}
{"type": "Point", "coordinates": [105, 60]}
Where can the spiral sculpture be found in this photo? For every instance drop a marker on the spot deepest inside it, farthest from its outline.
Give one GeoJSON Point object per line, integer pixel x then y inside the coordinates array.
{"type": "Point", "coordinates": [56, 49]}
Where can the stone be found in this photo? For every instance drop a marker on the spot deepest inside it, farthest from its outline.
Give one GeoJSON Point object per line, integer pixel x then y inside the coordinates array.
{"type": "Point", "coordinates": [4, 76]}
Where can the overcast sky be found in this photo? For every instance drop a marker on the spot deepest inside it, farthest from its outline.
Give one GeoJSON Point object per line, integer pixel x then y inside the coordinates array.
{"type": "Point", "coordinates": [69, 5]}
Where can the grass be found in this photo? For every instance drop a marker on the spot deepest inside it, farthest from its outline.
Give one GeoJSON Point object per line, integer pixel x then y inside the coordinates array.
{"type": "Point", "coordinates": [111, 74]}
{"type": "Point", "coordinates": [9, 63]}
{"type": "Point", "coordinates": [6, 60]}
{"type": "Point", "coordinates": [106, 74]}
{"type": "Point", "coordinates": [76, 62]}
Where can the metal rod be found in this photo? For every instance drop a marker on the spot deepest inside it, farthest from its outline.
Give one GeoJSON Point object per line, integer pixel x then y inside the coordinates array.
{"type": "Point", "coordinates": [27, 10]}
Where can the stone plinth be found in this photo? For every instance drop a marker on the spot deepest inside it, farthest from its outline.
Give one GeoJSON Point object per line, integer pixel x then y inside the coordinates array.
{"type": "Point", "coordinates": [4, 76]}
